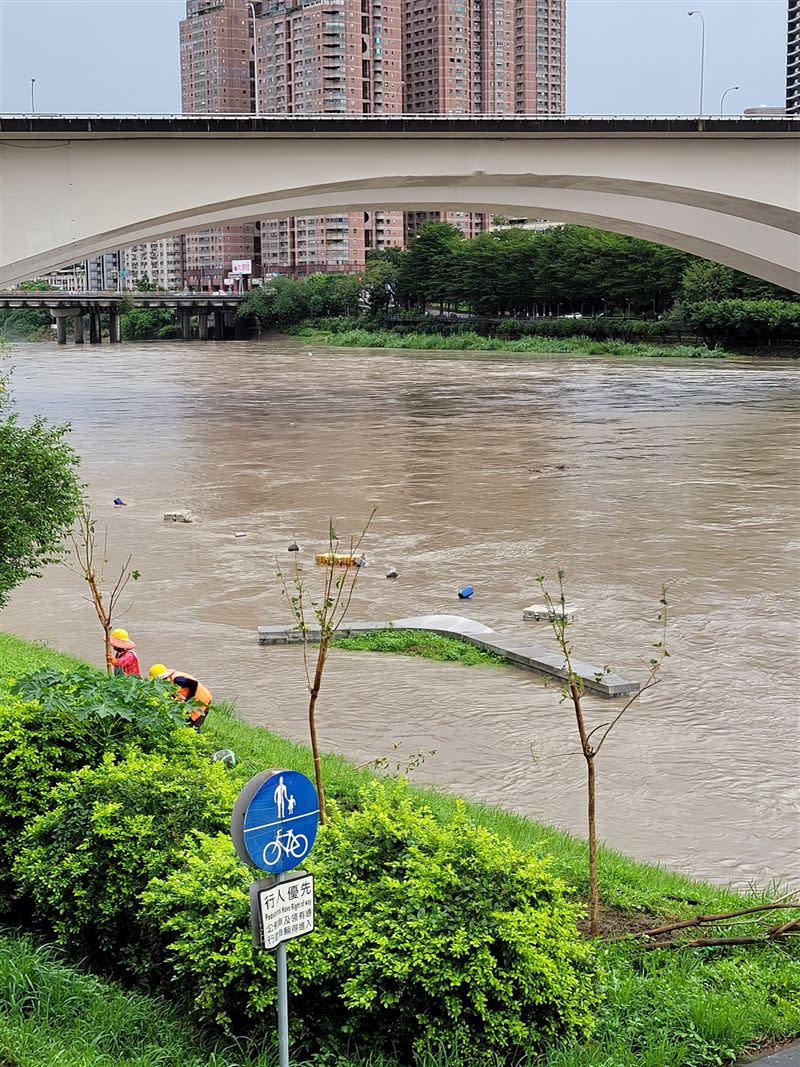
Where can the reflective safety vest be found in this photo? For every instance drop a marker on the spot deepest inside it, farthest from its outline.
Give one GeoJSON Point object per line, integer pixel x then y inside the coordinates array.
{"type": "Point", "coordinates": [202, 697]}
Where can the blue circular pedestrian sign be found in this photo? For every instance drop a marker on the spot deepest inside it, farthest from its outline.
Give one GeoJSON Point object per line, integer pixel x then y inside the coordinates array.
{"type": "Point", "coordinates": [275, 820]}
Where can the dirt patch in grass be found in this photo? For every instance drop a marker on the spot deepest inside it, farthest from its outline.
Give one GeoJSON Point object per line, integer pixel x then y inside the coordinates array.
{"type": "Point", "coordinates": [617, 923]}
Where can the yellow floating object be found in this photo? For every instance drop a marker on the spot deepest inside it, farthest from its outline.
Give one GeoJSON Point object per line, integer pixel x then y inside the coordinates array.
{"type": "Point", "coordinates": [337, 559]}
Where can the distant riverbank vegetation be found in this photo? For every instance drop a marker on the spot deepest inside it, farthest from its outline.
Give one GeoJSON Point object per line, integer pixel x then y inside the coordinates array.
{"type": "Point", "coordinates": [470, 341]}
{"type": "Point", "coordinates": [571, 288]}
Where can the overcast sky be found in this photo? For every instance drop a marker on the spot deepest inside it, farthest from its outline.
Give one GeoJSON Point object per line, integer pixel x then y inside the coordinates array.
{"type": "Point", "coordinates": [623, 56]}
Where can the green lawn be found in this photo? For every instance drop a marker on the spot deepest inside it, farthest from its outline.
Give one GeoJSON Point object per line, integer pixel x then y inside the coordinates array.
{"type": "Point", "coordinates": [662, 1009]}
{"type": "Point", "coordinates": [56, 1015]}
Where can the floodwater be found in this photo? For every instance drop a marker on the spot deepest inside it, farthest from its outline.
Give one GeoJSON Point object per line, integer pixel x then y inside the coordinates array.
{"type": "Point", "coordinates": [487, 469]}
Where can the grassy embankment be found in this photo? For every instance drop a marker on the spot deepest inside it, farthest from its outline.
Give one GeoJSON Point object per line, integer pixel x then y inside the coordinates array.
{"type": "Point", "coordinates": [662, 1009]}
{"type": "Point", "coordinates": [474, 342]}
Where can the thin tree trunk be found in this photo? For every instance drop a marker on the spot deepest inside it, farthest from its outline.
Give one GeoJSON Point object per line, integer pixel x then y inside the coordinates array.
{"type": "Point", "coordinates": [109, 666]}
{"type": "Point", "coordinates": [594, 893]}
{"type": "Point", "coordinates": [588, 755]}
{"type": "Point", "coordinates": [312, 727]}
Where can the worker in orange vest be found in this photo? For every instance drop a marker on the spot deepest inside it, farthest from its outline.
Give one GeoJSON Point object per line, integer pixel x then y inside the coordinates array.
{"type": "Point", "coordinates": [187, 688]}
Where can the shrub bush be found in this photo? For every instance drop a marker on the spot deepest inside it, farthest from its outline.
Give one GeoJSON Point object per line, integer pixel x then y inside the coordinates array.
{"type": "Point", "coordinates": [107, 830]}
{"type": "Point", "coordinates": [37, 750]}
{"type": "Point", "coordinates": [54, 722]}
{"type": "Point", "coordinates": [426, 935]}
{"type": "Point", "coordinates": [121, 708]}
{"type": "Point", "coordinates": [756, 322]}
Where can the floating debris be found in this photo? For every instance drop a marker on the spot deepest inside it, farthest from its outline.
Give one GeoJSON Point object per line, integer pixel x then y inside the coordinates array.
{"type": "Point", "coordinates": [535, 612]}
{"type": "Point", "coordinates": [293, 547]}
{"type": "Point", "coordinates": [465, 592]}
{"type": "Point", "coordinates": [393, 573]}
{"type": "Point", "coordinates": [178, 516]}
{"type": "Point", "coordinates": [240, 533]}
{"type": "Point", "coordinates": [119, 502]}
{"type": "Point", "coordinates": [339, 559]}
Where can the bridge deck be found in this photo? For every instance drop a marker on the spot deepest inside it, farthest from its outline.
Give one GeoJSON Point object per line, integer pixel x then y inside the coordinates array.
{"type": "Point", "coordinates": [40, 127]}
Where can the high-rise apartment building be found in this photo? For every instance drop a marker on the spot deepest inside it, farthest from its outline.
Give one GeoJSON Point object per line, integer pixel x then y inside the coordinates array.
{"type": "Point", "coordinates": [328, 57]}
{"type": "Point", "coordinates": [104, 271]}
{"type": "Point", "coordinates": [482, 57]}
{"type": "Point", "coordinates": [161, 262]}
{"type": "Point", "coordinates": [217, 72]}
{"type": "Point", "coordinates": [793, 60]}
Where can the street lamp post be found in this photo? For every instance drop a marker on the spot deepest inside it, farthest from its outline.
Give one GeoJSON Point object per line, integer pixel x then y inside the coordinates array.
{"type": "Point", "coordinates": [733, 89]}
{"type": "Point", "coordinates": [33, 99]}
{"type": "Point", "coordinates": [255, 53]}
{"type": "Point", "coordinates": [702, 54]}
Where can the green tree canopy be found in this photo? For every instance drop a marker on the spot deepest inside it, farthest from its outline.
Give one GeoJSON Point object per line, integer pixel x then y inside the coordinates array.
{"type": "Point", "coordinates": [426, 268]}
{"type": "Point", "coordinates": [39, 495]}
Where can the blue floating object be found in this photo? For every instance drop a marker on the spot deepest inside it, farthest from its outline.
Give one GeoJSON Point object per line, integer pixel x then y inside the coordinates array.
{"type": "Point", "coordinates": [119, 502]}
{"type": "Point", "coordinates": [465, 592]}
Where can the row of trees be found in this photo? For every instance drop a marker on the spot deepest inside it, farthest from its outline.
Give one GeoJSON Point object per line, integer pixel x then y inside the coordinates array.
{"type": "Point", "coordinates": [562, 270]}
{"type": "Point", "coordinates": [513, 272]}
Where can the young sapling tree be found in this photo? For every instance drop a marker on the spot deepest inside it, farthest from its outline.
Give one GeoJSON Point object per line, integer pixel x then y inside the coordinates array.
{"type": "Point", "coordinates": [329, 608]}
{"type": "Point", "coordinates": [89, 562]}
{"type": "Point", "coordinates": [592, 740]}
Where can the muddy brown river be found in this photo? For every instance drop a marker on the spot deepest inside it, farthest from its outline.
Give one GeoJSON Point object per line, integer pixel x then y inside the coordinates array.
{"type": "Point", "coordinates": [486, 469]}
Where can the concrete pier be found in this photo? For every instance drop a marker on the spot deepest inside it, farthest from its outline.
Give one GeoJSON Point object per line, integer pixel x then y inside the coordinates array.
{"type": "Point", "coordinates": [219, 325]}
{"type": "Point", "coordinates": [78, 320]}
{"type": "Point", "coordinates": [61, 329]}
{"type": "Point", "coordinates": [95, 337]}
{"type": "Point", "coordinates": [516, 653]}
{"type": "Point", "coordinates": [202, 326]}
{"type": "Point", "coordinates": [186, 324]}
{"type": "Point", "coordinates": [113, 325]}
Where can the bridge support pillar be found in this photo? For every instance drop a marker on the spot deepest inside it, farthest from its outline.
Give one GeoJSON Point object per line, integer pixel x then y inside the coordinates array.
{"type": "Point", "coordinates": [61, 329]}
{"type": "Point", "coordinates": [113, 326]}
{"type": "Point", "coordinates": [186, 324]}
{"type": "Point", "coordinates": [94, 327]}
{"type": "Point", "coordinates": [219, 325]}
{"type": "Point", "coordinates": [78, 320]}
{"type": "Point", "coordinates": [202, 325]}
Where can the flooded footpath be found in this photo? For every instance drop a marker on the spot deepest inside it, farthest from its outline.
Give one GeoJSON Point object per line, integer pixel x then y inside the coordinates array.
{"type": "Point", "coordinates": [486, 469]}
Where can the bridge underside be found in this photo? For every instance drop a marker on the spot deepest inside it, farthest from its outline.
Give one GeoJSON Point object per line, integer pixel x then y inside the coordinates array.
{"type": "Point", "coordinates": [733, 201]}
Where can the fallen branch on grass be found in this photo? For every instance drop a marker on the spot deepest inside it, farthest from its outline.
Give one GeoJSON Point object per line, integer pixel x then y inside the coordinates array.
{"type": "Point", "coordinates": [773, 934]}
{"type": "Point", "coordinates": [706, 920]}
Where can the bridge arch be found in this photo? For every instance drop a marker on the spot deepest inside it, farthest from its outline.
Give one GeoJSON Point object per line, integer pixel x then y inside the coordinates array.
{"type": "Point", "coordinates": [705, 192]}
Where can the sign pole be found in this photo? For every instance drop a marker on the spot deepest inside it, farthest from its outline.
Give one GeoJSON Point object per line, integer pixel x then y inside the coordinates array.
{"type": "Point", "coordinates": [283, 1002]}
{"type": "Point", "coordinates": [273, 827]}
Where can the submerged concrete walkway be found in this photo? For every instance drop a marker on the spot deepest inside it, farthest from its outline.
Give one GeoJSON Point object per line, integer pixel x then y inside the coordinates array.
{"type": "Point", "coordinates": [515, 652]}
{"type": "Point", "coordinates": [785, 1057]}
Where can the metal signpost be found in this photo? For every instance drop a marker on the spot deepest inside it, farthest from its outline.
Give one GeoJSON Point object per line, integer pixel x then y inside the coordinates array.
{"type": "Point", "coordinates": [273, 826]}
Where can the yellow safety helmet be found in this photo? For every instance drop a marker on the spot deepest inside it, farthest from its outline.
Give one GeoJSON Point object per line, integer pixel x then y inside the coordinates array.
{"type": "Point", "coordinates": [158, 670]}
{"type": "Point", "coordinates": [121, 635]}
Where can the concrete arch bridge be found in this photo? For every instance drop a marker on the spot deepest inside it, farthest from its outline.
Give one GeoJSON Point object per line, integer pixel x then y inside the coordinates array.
{"type": "Point", "coordinates": [73, 186]}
